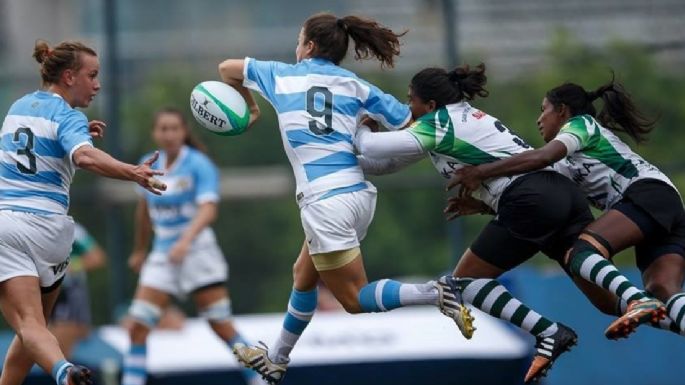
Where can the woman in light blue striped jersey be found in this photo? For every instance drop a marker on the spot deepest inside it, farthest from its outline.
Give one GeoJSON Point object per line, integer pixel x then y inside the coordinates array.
{"type": "Point", "coordinates": [319, 105]}
{"type": "Point", "coordinates": [44, 140]}
{"type": "Point", "coordinates": [185, 258]}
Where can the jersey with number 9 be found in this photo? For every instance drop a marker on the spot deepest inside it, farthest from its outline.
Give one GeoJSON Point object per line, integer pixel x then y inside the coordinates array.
{"type": "Point", "coordinates": [319, 105]}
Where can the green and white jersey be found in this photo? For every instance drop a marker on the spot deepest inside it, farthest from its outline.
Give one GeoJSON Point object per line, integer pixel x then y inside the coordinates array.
{"type": "Point", "coordinates": [600, 163]}
{"type": "Point", "coordinates": [459, 134]}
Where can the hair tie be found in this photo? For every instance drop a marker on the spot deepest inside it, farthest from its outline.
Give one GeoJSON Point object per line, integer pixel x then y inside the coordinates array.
{"type": "Point", "coordinates": [342, 24]}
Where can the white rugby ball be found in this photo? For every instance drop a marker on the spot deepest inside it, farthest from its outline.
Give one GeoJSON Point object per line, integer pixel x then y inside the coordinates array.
{"type": "Point", "coordinates": [219, 108]}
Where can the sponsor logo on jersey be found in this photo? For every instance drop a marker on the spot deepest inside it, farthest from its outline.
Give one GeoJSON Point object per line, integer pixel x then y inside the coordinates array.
{"type": "Point", "coordinates": [478, 114]}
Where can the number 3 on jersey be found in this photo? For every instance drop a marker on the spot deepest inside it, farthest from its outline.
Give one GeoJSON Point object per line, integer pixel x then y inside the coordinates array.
{"type": "Point", "coordinates": [27, 150]}
{"type": "Point", "coordinates": [320, 104]}
{"type": "Point", "coordinates": [502, 128]}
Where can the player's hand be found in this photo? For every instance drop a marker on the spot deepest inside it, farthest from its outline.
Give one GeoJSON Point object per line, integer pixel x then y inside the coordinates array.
{"type": "Point", "coordinates": [255, 113]}
{"type": "Point", "coordinates": [469, 177]}
{"type": "Point", "coordinates": [144, 175]}
{"type": "Point", "coordinates": [136, 260]}
{"type": "Point", "coordinates": [458, 206]}
{"type": "Point", "coordinates": [370, 123]}
{"type": "Point", "coordinates": [96, 128]}
{"type": "Point", "coordinates": [178, 251]}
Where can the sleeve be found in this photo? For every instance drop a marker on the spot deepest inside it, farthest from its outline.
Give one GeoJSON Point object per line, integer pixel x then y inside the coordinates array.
{"type": "Point", "coordinates": [259, 76]}
{"type": "Point", "coordinates": [577, 129]}
{"type": "Point", "coordinates": [386, 144]}
{"type": "Point", "coordinates": [386, 109]}
{"type": "Point", "coordinates": [72, 132]}
{"type": "Point", "coordinates": [374, 166]}
{"type": "Point", "coordinates": [569, 140]}
{"type": "Point", "coordinates": [424, 132]}
{"type": "Point", "coordinates": [206, 180]}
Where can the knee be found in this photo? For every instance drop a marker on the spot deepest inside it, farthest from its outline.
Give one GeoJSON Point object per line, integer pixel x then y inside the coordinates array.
{"type": "Point", "coordinates": [587, 244]}
{"type": "Point", "coordinates": [219, 315]}
{"type": "Point", "coordinates": [302, 278]}
{"type": "Point", "coordinates": [145, 316]}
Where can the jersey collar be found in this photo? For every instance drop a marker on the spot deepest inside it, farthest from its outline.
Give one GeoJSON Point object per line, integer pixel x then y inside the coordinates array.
{"type": "Point", "coordinates": [179, 159]}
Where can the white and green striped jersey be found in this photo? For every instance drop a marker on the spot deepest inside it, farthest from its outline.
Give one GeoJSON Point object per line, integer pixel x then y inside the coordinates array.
{"type": "Point", "coordinates": [459, 134]}
{"type": "Point", "coordinates": [600, 163]}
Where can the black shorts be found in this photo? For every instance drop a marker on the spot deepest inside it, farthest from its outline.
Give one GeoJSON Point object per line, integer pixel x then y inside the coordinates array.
{"type": "Point", "coordinates": [542, 211]}
{"type": "Point", "coordinates": [657, 209]}
{"type": "Point", "coordinates": [73, 302]}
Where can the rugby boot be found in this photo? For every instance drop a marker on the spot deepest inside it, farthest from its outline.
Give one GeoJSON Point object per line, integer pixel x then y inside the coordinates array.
{"type": "Point", "coordinates": [452, 305]}
{"type": "Point", "coordinates": [257, 359]}
{"type": "Point", "coordinates": [548, 349]}
{"type": "Point", "coordinates": [642, 311]}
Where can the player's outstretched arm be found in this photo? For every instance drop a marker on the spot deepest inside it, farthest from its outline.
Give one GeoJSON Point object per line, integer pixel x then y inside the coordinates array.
{"type": "Point", "coordinates": [471, 177]}
{"type": "Point", "coordinates": [231, 72]}
{"type": "Point", "coordinates": [99, 162]}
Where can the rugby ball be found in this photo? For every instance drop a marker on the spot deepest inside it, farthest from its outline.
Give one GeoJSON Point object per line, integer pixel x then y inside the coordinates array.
{"type": "Point", "coordinates": [219, 108]}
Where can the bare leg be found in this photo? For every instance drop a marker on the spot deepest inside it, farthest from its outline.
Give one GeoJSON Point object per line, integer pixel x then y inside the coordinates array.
{"type": "Point", "coordinates": [346, 282]}
{"type": "Point", "coordinates": [25, 311]}
{"type": "Point", "coordinates": [664, 279]}
{"type": "Point", "coordinates": [210, 296]}
{"type": "Point", "coordinates": [68, 334]}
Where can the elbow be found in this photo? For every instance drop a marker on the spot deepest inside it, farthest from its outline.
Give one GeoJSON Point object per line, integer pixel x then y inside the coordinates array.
{"type": "Point", "coordinates": [210, 212]}
{"type": "Point", "coordinates": [223, 68]}
{"type": "Point", "coordinates": [211, 216]}
{"type": "Point", "coordinates": [231, 71]}
{"type": "Point", "coordinates": [83, 158]}
{"type": "Point", "coordinates": [365, 147]}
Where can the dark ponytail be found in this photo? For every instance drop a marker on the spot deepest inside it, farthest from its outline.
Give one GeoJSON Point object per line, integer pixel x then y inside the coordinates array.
{"type": "Point", "coordinates": [462, 83]}
{"type": "Point", "coordinates": [371, 39]}
{"type": "Point", "coordinates": [619, 113]}
{"type": "Point", "coordinates": [190, 140]}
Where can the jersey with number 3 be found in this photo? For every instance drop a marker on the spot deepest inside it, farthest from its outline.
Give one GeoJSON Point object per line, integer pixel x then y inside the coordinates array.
{"type": "Point", "coordinates": [39, 136]}
{"type": "Point", "coordinates": [458, 134]}
{"type": "Point", "coordinates": [600, 163]}
{"type": "Point", "coordinates": [319, 106]}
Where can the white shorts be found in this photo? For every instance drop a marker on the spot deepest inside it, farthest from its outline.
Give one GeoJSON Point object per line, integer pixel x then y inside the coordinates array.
{"type": "Point", "coordinates": [35, 245]}
{"type": "Point", "coordinates": [339, 222]}
{"type": "Point", "coordinates": [204, 265]}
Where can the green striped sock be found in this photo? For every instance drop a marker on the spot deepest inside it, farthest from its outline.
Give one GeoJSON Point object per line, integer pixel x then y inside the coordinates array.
{"type": "Point", "coordinates": [676, 311]}
{"type": "Point", "coordinates": [595, 268]}
{"type": "Point", "coordinates": [491, 297]}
